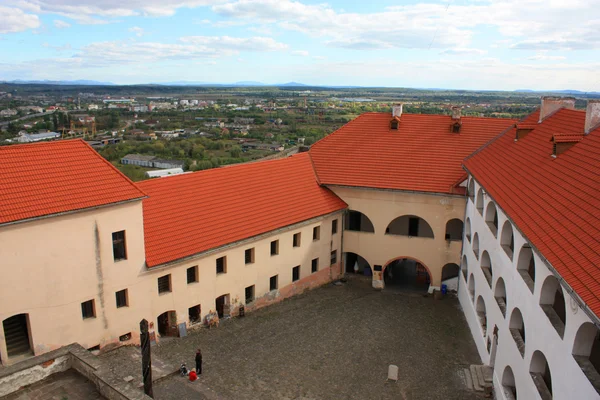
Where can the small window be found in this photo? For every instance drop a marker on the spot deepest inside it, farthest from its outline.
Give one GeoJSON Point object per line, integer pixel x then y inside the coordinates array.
{"type": "Point", "coordinates": [273, 282]}
{"type": "Point", "coordinates": [295, 273]}
{"type": "Point", "coordinates": [274, 247]}
{"type": "Point", "coordinates": [192, 274]}
{"type": "Point", "coordinates": [297, 239]}
{"type": "Point", "coordinates": [222, 265]}
{"type": "Point", "coordinates": [194, 314]}
{"type": "Point", "coordinates": [333, 257]}
{"type": "Point", "coordinates": [334, 226]}
{"type": "Point", "coordinates": [123, 338]}
{"type": "Point", "coordinates": [88, 309]}
{"type": "Point", "coordinates": [316, 233]}
{"type": "Point", "coordinates": [314, 265]}
{"type": "Point", "coordinates": [122, 298]}
{"type": "Point", "coordinates": [119, 252]}
{"type": "Point", "coordinates": [249, 256]}
{"type": "Point", "coordinates": [249, 294]}
{"type": "Point", "coordinates": [164, 284]}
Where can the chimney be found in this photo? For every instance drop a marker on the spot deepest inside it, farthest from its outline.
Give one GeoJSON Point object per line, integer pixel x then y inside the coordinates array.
{"type": "Point", "coordinates": [592, 116]}
{"type": "Point", "coordinates": [551, 104]}
{"type": "Point", "coordinates": [397, 110]}
{"type": "Point", "coordinates": [456, 110]}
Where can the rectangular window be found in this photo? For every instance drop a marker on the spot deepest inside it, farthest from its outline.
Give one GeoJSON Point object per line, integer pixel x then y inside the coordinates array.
{"type": "Point", "coordinates": [192, 274]}
{"type": "Point", "coordinates": [164, 284]}
{"type": "Point", "coordinates": [274, 247]}
{"type": "Point", "coordinates": [316, 233]}
{"type": "Point", "coordinates": [273, 284]}
{"type": "Point", "coordinates": [119, 252]}
{"type": "Point", "coordinates": [295, 273]}
{"type": "Point", "coordinates": [297, 239]}
{"type": "Point", "coordinates": [194, 314]}
{"type": "Point", "coordinates": [249, 294]}
{"type": "Point", "coordinates": [314, 265]}
{"type": "Point", "coordinates": [88, 309]}
{"type": "Point", "coordinates": [122, 298]}
{"type": "Point", "coordinates": [333, 257]}
{"type": "Point", "coordinates": [413, 226]}
{"type": "Point", "coordinates": [249, 256]}
{"type": "Point", "coordinates": [222, 265]}
{"type": "Point", "coordinates": [334, 226]}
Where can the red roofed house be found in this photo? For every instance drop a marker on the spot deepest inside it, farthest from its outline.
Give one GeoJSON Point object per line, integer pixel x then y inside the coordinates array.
{"type": "Point", "coordinates": [530, 282]}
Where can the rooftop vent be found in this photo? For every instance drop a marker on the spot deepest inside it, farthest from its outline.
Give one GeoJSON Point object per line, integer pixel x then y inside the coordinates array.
{"type": "Point", "coordinates": [562, 142]}
{"type": "Point", "coordinates": [523, 130]}
{"type": "Point", "coordinates": [394, 123]}
{"type": "Point", "coordinates": [592, 116]}
{"type": "Point", "coordinates": [551, 104]}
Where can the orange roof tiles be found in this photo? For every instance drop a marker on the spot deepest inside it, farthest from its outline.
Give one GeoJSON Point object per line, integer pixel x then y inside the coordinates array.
{"type": "Point", "coordinates": [555, 202]}
{"type": "Point", "coordinates": [567, 137]}
{"type": "Point", "coordinates": [188, 214]}
{"type": "Point", "coordinates": [48, 178]}
{"type": "Point", "coordinates": [421, 155]}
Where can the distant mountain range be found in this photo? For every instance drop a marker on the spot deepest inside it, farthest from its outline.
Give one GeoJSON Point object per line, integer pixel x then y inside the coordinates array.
{"type": "Point", "coordinates": [82, 82]}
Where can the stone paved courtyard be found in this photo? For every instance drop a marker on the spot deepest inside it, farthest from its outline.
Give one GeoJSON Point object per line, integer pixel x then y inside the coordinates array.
{"type": "Point", "coordinates": [335, 342]}
{"type": "Point", "coordinates": [68, 385]}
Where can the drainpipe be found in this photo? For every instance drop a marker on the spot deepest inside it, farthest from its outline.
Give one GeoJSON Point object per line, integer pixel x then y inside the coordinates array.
{"type": "Point", "coordinates": [342, 257]}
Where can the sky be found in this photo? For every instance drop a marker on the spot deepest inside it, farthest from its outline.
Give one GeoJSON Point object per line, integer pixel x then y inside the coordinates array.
{"type": "Point", "coordinates": [468, 44]}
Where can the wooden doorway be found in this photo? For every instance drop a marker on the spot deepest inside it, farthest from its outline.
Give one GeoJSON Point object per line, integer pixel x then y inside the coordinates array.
{"type": "Point", "coordinates": [222, 305]}
{"type": "Point", "coordinates": [16, 335]}
{"type": "Point", "coordinates": [167, 324]}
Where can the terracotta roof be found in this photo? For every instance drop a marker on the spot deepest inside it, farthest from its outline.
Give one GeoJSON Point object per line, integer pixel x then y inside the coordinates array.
{"type": "Point", "coordinates": [54, 177]}
{"type": "Point", "coordinates": [555, 202]}
{"type": "Point", "coordinates": [567, 137]}
{"type": "Point", "coordinates": [188, 214]}
{"type": "Point", "coordinates": [422, 155]}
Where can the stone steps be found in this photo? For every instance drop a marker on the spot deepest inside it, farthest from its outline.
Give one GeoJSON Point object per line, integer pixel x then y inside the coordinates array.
{"type": "Point", "coordinates": [479, 378]}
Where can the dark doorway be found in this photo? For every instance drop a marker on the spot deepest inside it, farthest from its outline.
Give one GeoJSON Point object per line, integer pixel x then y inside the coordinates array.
{"type": "Point", "coordinates": [357, 264]}
{"type": "Point", "coordinates": [222, 305]}
{"type": "Point", "coordinates": [16, 335]}
{"type": "Point", "coordinates": [167, 324]}
{"type": "Point", "coordinates": [407, 274]}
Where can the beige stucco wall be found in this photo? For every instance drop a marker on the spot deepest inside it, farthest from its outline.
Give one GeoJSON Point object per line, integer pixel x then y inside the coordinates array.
{"type": "Point", "coordinates": [49, 267]}
{"type": "Point", "coordinates": [382, 207]}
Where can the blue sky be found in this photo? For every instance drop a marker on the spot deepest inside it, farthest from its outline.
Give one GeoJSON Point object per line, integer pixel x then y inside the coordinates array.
{"type": "Point", "coordinates": [477, 44]}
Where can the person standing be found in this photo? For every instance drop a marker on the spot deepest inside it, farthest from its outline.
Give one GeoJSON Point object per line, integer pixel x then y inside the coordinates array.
{"type": "Point", "coordinates": [199, 362]}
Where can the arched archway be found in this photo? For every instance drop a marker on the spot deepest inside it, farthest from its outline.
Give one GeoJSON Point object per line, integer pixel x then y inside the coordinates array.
{"type": "Point", "coordinates": [508, 384]}
{"type": "Point", "coordinates": [464, 267]}
{"type": "Point", "coordinates": [16, 335]}
{"type": "Point", "coordinates": [540, 373]}
{"type": "Point", "coordinates": [472, 287]}
{"type": "Point", "coordinates": [358, 222]}
{"type": "Point", "coordinates": [526, 266]}
{"type": "Point", "coordinates": [500, 295]}
{"type": "Point", "coordinates": [479, 201]}
{"type": "Point", "coordinates": [507, 239]}
{"type": "Point", "coordinates": [476, 245]}
{"type": "Point", "coordinates": [167, 324]}
{"type": "Point", "coordinates": [450, 274]}
{"type": "Point", "coordinates": [357, 264]}
{"type": "Point", "coordinates": [586, 351]}
{"type": "Point", "coordinates": [486, 267]}
{"type": "Point", "coordinates": [407, 273]}
{"type": "Point", "coordinates": [410, 225]}
{"type": "Point", "coordinates": [468, 229]}
{"type": "Point", "coordinates": [552, 302]}
{"type": "Point", "coordinates": [517, 330]}
{"type": "Point", "coordinates": [491, 218]}
{"type": "Point", "coordinates": [481, 314]}
{"type": "Point", "coordinates": [454, 229]}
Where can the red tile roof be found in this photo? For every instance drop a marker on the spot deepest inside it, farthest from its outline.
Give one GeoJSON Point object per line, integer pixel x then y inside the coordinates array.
{"type": "Point", "coordinates": [42, 179]}
{"type": "Point", "coordinates": [422, 155]}
{"type": "Point", "coordinates": [567, 137]}
{"type": "Point", "coordinates": [555, 202]}
{"type": "Point", "coordinates": [188, 214]}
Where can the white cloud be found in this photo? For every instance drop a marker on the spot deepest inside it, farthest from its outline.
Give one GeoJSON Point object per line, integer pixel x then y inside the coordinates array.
{"type": "Point", "coordinates": [16, 20]}
{"type": "Point", "coordinates": [461, 51]}
{"type": "Point", "coordinates": [65, 47]}
{"type": "Point", "coordinates": [542, 56]}
{"type": "Point", "coordinates": [60, 24]}
{"type": "Point", "coordinates": [302, 53]}
{"type": "Point", "coordinates": [139, 32]}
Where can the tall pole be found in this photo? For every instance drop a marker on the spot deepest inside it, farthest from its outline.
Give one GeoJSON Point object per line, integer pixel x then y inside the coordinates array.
{"type": "Point", "coordinates": [146, 359]}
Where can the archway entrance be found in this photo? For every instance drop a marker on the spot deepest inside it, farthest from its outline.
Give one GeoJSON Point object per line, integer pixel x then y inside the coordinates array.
{"type": "Point", "coordinates": [355, 264]}
{"type": "Point", "coordinates": [16, 335]}
{"type": "Point", "coordinates": [222, 305]}
{"type": "Point", "coordinates": [167, 324]}
{"type": "Point", "coordinates": [407, 274]}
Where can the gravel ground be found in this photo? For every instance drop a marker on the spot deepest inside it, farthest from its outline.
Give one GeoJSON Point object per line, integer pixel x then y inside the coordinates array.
{"type": "Point", "coordinates": [335, 342]}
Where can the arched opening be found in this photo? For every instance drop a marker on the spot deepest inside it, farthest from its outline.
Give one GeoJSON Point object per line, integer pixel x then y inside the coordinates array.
{"type": "Point", "coordinates": [476, 245]}
{"type": "Point", "coordinates": [167, 324]}
{"type": "Point", "coordinates": [358, 222]}
{"type": "Point", "coordinates": [468, 229]}
{"type": "Point", "coordinates": [491, 218]}
{"type": "Point", "coordinates": [472, 287]}
{"type": "Point", "coordinates": [486, 267]}
{"type": "Point", "coordinates": [450, 274]}
{"type": "Point", "coordinates": [586, 351]}
{"type": "Point", "coordinates": [407, 274]}
{"type": "Point", "coordinates": [454, 229]}
{"type": "Point", "coordinates": [222, 306]}
{"type": "Point", "coordinates": [507, 239]}
{"type": "Point", "coordinates": [500, 295]}
{"type": "Point", "coordinates": [552, 302]}
{"type": "Point", "coordinates": [508, 384]}
{"type": "Point", "coordinates": [355, 264]}
{"type": "Point", "coordinates": [526, 266]}
{"type": "Point", "coordinates": [16, 335]}
{"type": "Point", "coordinates": [517, 330]}
{"type": "Point", "coordinates": [410, 225]}
{"type": "Point", "coordinates": [464, 267]}
{"type": "Point", "coordinates": [471, 189]}
{"type": "Point", "coordinates": [482, 314]}
{"type": "Point", "coordinates": [540, 373]}
{"type": "Point", "coordinates": [479, 201]}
